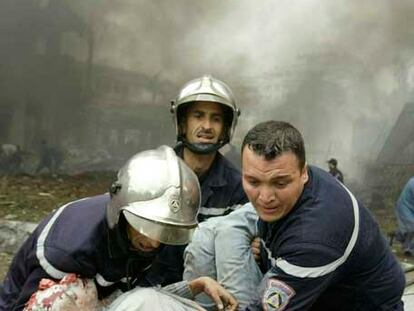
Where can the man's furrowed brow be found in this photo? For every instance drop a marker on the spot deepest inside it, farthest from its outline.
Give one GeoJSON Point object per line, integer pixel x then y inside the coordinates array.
{"type": "Point", "coordinates": [281, 177]}
{"type": "Point", "coordinates": [250, 176]}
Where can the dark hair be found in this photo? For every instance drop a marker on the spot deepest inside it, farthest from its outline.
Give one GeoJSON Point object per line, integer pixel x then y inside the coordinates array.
{"type": "Point", "coordinates": [333, 161]}
{"type": "Point", "coordinates": [272, 138]}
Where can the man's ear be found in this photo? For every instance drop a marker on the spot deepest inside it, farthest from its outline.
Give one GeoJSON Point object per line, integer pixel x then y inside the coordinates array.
{"type": "Point", "coordinates": [305, 175]}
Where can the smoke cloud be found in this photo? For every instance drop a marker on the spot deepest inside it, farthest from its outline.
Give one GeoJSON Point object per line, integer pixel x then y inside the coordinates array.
{"type": "Point", "coordinates": [341, 71]}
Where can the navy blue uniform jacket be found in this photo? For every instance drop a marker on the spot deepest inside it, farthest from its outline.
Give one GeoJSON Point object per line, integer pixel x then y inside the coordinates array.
{"type": "Point", "coordinates": [74, 239]}
{"type": "Point", "coordinates": [327, 254]}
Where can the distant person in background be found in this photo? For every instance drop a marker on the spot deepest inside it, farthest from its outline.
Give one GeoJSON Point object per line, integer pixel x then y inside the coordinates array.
{"type": "Point", "coordinates": [57, 158]}
{"type": "Point", "coordinates": [405, 218]}
{"type": "Point", "coordinates": [50, 158]}
{"type": "Point", "coordinates": [334, 171]}
{"type": "Point", "coordinates": [16, 160]}
{"type": "Point", "coordinates": [45, 157]}
{"type": "Point", "coordinates": [11, 158]}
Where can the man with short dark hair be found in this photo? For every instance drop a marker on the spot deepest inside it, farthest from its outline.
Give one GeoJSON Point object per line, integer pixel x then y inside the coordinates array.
{"type": "Point", "coordinates": [321, 248]}
{"type": "Point", "coordinates": [334, 170]}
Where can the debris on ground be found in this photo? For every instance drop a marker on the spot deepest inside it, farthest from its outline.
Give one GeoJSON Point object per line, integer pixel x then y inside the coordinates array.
{"type": "Point", "coordinates": [28, 198]}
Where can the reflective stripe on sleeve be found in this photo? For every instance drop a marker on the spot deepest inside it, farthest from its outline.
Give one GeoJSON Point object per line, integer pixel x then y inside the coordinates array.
{"type": "Point", "coordinates": [314, 272]}
{"type": "Point", "coordinates": [104, 283]}
{"type": "Point", "coordinates": [40, 246]}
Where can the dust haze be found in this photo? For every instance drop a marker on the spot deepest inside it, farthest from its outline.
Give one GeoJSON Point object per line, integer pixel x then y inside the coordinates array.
{"type": "Point", "coordinates": [341, 71]}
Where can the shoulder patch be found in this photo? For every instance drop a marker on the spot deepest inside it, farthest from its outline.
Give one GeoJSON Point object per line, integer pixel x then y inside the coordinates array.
{"type": "Point", "coordinates": [277, 295]}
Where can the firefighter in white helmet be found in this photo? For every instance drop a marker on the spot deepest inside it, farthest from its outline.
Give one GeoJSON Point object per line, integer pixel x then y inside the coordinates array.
{"type": "Point", "coordinates": [205, 116]}
{"type": "Point", "coordinates": [219, 125]}
{"type": "Point", "coordinates": [113, 238]}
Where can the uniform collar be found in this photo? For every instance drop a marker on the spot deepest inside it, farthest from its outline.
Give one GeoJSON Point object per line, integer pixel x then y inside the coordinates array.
{"type": "Point", "coordinates": [215, 176]}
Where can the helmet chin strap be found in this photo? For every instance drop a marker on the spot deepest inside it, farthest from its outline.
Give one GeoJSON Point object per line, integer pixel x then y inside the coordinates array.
{"type": "Point", "coordinates": [202, 148]}
{"type": "Point", "coordinates": [150, 254]}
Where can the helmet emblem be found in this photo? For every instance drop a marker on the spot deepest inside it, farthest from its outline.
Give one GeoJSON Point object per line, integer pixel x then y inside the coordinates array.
{"type": "Point", "coordinates": [175, 204]}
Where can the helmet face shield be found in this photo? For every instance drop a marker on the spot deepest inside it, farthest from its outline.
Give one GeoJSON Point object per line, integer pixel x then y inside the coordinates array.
{"type": "Point", "coordinates": [206, 89]}
{"type": "Point", "coordinates": [159, 196]}
{"type": "Point", "coordinates": [166, 234]}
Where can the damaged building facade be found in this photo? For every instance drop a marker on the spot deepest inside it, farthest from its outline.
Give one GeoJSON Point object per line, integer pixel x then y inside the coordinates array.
{"type": "Point", "coordinates": [394, 165]}
{"type": "Point", "coordinates": [51, 89]}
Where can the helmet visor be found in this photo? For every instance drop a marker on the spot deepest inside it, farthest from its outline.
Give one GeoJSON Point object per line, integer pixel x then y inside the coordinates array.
{"type": "Point", "coordinates": [164, 233]}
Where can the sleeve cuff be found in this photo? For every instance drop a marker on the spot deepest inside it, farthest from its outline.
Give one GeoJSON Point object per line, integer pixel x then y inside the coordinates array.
{"type": "Point", "coordinates": [181, 289]}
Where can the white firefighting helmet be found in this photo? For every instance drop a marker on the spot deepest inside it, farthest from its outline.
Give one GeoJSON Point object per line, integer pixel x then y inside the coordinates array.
{"type": "Point", "coordinates": [158, 194]}
{"type": "Point", "coordinates": [207, 89]}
